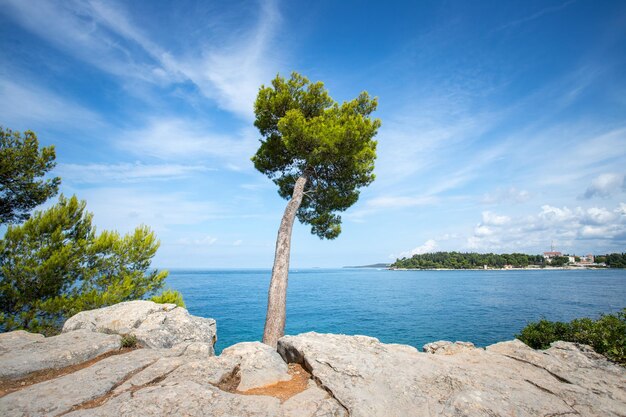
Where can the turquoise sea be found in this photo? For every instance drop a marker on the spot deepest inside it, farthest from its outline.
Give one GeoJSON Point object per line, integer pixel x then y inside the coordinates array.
{"type": "Point", "coordinates": [411, 307]}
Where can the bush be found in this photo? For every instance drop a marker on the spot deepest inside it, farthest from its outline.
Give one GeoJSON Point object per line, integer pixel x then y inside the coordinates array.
{"type": "Point", "coordinates": [607, 335]}
{"type": "Point", "coordinates": [129, 341]}
{"type": "Point", "coordinates": [169, 297]}
{"type": "Point", "coordinates": [540, 334]}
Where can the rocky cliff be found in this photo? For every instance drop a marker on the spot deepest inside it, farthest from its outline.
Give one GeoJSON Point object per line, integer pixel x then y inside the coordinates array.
{"type": "Point", "coordinates": [173, 372]}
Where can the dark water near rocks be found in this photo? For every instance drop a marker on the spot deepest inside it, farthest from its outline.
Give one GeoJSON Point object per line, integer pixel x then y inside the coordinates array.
{"type": "Point", "coordinates": [411, 307]}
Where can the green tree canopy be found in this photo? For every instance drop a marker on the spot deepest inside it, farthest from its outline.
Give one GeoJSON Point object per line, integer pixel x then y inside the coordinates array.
{"type": "Point", "coordinates": [319, 153]}
{"type": "Point", "coordinates": [22, 167]}
{"type": "Point", "coordinates": [55, 265]}
{"type": "Point", "coordinates": [307, 134]}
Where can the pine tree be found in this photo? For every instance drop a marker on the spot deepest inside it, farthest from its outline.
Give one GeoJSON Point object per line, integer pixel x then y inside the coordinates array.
{"type": "Point", "coordinates": [319, 154]}
{"type": "Point", "coordinates": [55, 265]}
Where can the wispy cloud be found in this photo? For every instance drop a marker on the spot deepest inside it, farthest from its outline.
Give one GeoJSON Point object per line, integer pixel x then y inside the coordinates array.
{"type": "Point", "coordinates": [25, 103]}
{"type": "Point", "coordinates": [107, 38]}
{"type": "Point", "coordinates": [126, 172]}
{"type": "Point", "coordinates": [125, 208]}
{"type": "Point", "coordinates": [387, 202]}
{"type": "Point", "coordinates": [232, 75]}
{"type": "Point", "coordinates": [506, 195]}
{"type": "Point", "coordinates": [575, 153]}
{"type": "Point", "coordinates": [180, 139]}
{"type": "Point", "coordinates": [423, 137]}
{"type": "Point", "coordinates": [77, 28]}
{"type": "Point", "coordinates": [533, 16]}
{"type": "Point", "coordinates": [203, 241]}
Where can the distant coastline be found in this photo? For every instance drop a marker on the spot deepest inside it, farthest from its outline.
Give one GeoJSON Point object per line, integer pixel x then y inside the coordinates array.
{"type": "Point", "coordinates": [377, 266]}
{"type": "Point", "coordinates": [527, 268]}
{"type": "Point", "coordinates": [507, 261]}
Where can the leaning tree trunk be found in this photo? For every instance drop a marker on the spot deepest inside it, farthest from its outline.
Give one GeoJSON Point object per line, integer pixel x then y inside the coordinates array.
{"type": "Point", "coordinates": [277, 295]}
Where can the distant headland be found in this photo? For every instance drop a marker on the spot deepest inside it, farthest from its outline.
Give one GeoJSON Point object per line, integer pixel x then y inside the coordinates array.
{"type": "Point", "coordinates": [379, 265]}
{"type": "Point", "coordinates": [473, 260]}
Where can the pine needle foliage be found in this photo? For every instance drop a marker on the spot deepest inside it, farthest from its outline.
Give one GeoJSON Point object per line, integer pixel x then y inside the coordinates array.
{"type": "Point", "coordinates": [55, 264]}
{"type": "Point", "coordinates": [306, 133]}
{"type": "Point", "coordinates": [22, 168]}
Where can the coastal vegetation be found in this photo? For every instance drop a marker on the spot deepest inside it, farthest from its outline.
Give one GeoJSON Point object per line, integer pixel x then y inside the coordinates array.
{"type": "Point", "coordinates": [319, 153]}
{"type": "Point", "coordinates": [54, 264]}
{"type": "Point", "coordinates": [169, 296]}
{"type": "Point", "coordinates": [460, 260]}
{"type": "Point", "coordinates": [607, 335]}
{"type": "Point", "coordinates": [613, 260]}
{"type": "Point", "coordinates": [473, 260]}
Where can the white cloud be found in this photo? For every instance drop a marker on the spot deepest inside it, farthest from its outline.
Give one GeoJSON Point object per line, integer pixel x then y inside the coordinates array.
{"type": "Point", "coordinates": [482, 230]}
{"type": "Point", "coordinates": [573, 229]}
{"type": "Point", "coordinates": [554, 214]}
{"type": "Point", "coordinates": [204, 241]}
{"type": "Point", "coordinates": [126, 172]}
{"type": "Point", "coordinates": [506, 195]}
{"type": "Point", "coordinates": [237, 242]}
{"type": "Point", "coordinates": [493, 219]}
{"type": "Point", "coordinates": [598, 216]}
{"type": "Point", "coordinates": [179, 139]}
{"type": "Point", "coordinates": [605, 185]}
{"type": "Point", "coordinates": [429, 246]}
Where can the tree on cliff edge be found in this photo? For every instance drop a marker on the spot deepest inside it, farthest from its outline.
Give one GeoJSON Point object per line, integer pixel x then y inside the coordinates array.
{"type": "Point", "coordinates": [319, 153]}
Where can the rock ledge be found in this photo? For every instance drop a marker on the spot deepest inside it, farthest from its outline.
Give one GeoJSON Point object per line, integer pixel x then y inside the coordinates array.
{"type": "Point", "coordinates": [175, 373]}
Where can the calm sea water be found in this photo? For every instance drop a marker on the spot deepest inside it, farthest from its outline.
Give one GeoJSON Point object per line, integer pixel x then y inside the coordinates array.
{"type": "Point", "coordinates": [411, 307]}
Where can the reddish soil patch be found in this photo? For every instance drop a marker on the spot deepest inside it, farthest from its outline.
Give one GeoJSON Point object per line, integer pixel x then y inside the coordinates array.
{"type": "Point", "coordinates": [9, 386]}
{"type": "Point", "coordinates": [284, 390]}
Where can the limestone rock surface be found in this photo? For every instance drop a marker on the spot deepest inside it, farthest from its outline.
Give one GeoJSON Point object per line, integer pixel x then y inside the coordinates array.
{"type": "Point", "coordinates": [176, 373]}
{"type": "Point", "coordinates": [370, 378]}
{"type": "Point", "coordinates": [260, 365]}
{"type": "Point", "coordinates": [154, 325]}
{"type": "Point", "coordinates": [22, 353]}
{"type": "Point", "coordinates": [185, 380]}
{"type": "Point", "coordinates": [443, 347]}
{"type": "Point", "coordinates": [59, 395]}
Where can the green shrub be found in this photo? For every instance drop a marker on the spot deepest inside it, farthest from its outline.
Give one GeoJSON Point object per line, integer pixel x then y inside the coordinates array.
{"type": "Point", "coordinates": [129, 341]}
{"type": "Point", "coordinates": [607, 335]}
{"type": "Point", "coordinates": [539, 334]}
{"type": "Point", "coordinates": [169, 297]}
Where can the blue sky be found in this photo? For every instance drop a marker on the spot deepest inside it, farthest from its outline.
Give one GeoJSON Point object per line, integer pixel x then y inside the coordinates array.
{"type": "Point", "coordinates": [504, 123]}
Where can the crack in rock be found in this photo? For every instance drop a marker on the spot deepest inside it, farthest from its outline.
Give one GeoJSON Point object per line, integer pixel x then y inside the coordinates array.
{"type": "Point", "coordinates": [556, 376]}
{"type": "Point", "coordinates": [98, 401]}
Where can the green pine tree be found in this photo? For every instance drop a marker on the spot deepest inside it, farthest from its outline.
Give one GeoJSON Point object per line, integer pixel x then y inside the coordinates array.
{"type": "Point", "coordinates": [22, 166]}
{"type": "Point", "coordinates": [55, 265]}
